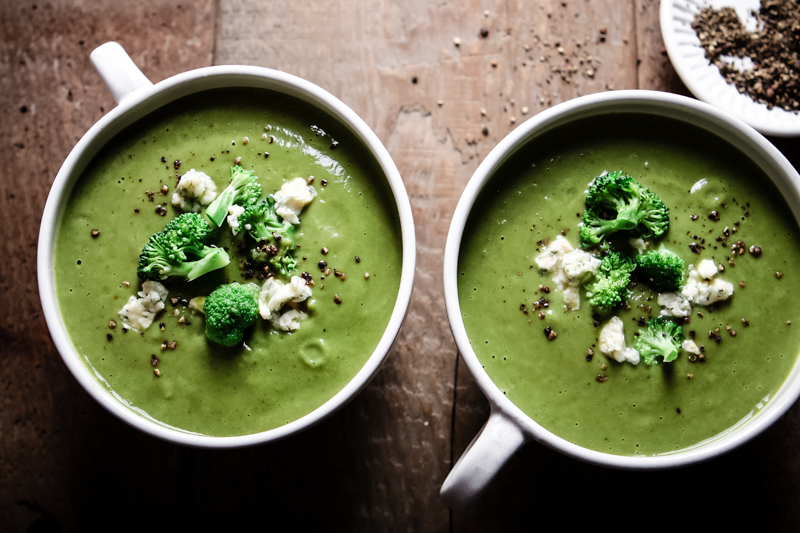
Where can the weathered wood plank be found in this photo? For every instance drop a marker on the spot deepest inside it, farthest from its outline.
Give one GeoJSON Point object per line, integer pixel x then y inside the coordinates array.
{"type": "Point", "coordinates": [429, 101]}
{"type": "Point", "coordinates": [539, 485]}
{"type": "Point", "coordinates": [604, 32]}
{"type": "Point", "coordinates": [379, 463]}
{"type": "Point", "coordinates": [779, 443]}
{"type": "Point", "coordinates": [63, 460]}
{"type": "Point", "coordinates": [655, 71]}
{"type": "Point", "coordinates": [548, 486]}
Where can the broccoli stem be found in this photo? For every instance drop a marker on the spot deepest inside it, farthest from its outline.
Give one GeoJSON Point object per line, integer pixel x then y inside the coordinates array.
{"type": "Point", "coordinates": [218, 209]}
{"type": "Point", "coordinates": [216, 259]}
{"type": "Point", "coordinates": [260, 232]}
{"type": "Point", "coordinates": [628, 216]}
{"type": "Point", "coordinates": [663, 345]}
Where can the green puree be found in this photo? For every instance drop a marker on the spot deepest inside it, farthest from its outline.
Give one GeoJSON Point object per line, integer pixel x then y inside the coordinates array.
{"type": "Point", "coordinates": [640, 409]}
{"type": "Point", "coordinates": [206, 388]}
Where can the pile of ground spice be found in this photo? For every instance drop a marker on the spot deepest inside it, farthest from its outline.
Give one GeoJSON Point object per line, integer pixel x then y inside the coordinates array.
{"type": "Point", "coordinates": [774, 50]}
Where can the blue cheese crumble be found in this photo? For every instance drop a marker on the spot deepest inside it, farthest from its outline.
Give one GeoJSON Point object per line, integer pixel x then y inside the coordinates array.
{"type": "Point", "coordinates": [571, 268]}
{"type": "Point", "coordinates": [292, 198]}
{"type": "Point", "coordinates": [139, 313]}
{"type": "Point", "coordinates": [275, 294]}
{"type": "Point", "coordinates": [195, 190]}
{"type": "Point", "coordinates": [612, 343]}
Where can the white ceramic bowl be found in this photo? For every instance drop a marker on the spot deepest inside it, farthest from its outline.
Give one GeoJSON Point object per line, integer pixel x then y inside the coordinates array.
{"type": "Point", "coordinates": [136, 97]}
{"type": "Point", "coordinates": [704, 79]}
{"type": "Point", "coordinates": [508, 428]}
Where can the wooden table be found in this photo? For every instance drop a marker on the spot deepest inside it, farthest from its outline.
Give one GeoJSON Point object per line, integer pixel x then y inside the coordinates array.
{"type": "Point", "coordinates": [65, 463]}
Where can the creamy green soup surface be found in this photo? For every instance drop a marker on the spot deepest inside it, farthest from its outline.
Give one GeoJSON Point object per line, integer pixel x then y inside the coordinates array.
{"type": "Point", "coordinates": [275, 377]}
{"type": "Point", "coordinates": [639, 410]}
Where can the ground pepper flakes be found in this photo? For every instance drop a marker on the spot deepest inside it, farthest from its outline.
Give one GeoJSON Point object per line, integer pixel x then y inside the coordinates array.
{"type": "Point", "coordinates": [774, 50]}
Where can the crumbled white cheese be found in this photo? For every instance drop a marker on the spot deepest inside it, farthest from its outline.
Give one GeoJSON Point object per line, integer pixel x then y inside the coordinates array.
{"type": "Point", "coordinates": [707, 269]}
{"type": "Point", "coordinates": [288, 321]}
{"type": "Point", "coordinates": [292, 198]}
{"type": "Point", "coordinates": [139, 313]}
{"type": "Point", "coordinates": [578, 266]}
{"type": "Point", "coordinates": [275, 294]}
{"type": "Point", "coordinates": [194, 190]}
{"type": "Point", "coordinates": [552, 253]}
{"type": "Point", "coordinates": [612, 342]}
{"type": "Point", "coordinates": [690, 346]}
{"type": "Point", "coordinates": [572, 297]}
{"type": "Point", "coordinates": [629, 355]}
{"type": "Point", "coordinates": [674, 304]}
{"type": "Point", "coordinates": [706, 291]}
{"type": "Point", "coordinates": [571, 268]}
{"type": "Point", "coordinates": [233, 217]}
{"type": "Point", "coordinates": [612, 338]}
{"type": "Point", "coordinates": [639, 244]}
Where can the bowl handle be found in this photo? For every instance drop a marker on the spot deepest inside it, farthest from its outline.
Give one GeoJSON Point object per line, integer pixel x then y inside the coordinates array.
{"type": "Point", "coordinates": [120, 74]}
{"type": "Point", "coordinates": [491, 448]}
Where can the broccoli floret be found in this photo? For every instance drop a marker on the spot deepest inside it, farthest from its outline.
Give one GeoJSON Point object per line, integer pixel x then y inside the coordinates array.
{"type": "Point", "coordinates": [661, 338]}
{"type": "Point", "coordinates": [285, 262]}
{"type": "Point", "coordinates": [611, 287]}
{"type": "Point", "coordinates": [662, 269]}
{"type": "Point", "coordinates": [608, 292]}
{"type": "Point", "coordinates": [594, 228]}
{"type": "Point", "coordinates": [616, 263]}
{"type": "Point", "coordinates": [283, 259]}
{"type": "Point", "coordinates": [180, 251]}
{"type": "Point", "coordinates": [655, 216]}
{"type": "Point", "coordinates": [230, 309]}
{"type": "Point", "coordinates": [263, 223]}
{"type": "Point", "coordinates": [617, 202]}
{"type": "Point", "coordinates": [243, 190]}
{"type": "Point", "coordinates": [275, 236]}
{"type": "Point", "coordinates": [188, 233]}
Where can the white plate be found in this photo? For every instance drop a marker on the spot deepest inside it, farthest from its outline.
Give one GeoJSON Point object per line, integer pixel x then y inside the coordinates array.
{"type": "Point", "coordinates": [704, 79]}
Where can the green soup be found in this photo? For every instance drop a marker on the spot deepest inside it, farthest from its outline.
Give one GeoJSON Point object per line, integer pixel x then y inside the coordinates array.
{"type": "Point", "coordinates": [275, 377]}
{"type": "Point", "coordinates": [538, 194]}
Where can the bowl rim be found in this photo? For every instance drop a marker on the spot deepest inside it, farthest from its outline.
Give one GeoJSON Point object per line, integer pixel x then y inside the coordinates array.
{"type": "Point", "coordinates": [704, 80]}
{"type": "Point", "coordinates": [133, 107]}
{"type": "Point", "coordinates": [725, 126]}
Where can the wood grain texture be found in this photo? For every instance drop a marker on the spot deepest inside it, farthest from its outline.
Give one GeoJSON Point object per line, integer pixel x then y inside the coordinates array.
{"type": "Point", "coordinates": [539, 485]}
{"type": "Point", "coordinates": [771, 461]}
{"type": "Point", "coordinates": [378, 464]}
{"type": "Point", "coordinates": [62, 457]}
{"type": "Point", "coordinates": [429, 100]}
{"type": "Point", "coordinates": [654, 69]}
